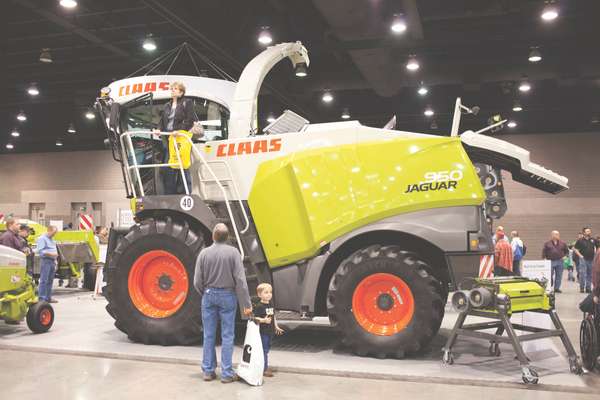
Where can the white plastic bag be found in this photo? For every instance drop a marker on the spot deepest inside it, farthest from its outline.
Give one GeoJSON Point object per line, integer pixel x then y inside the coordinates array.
{"type": "Point", "coordinates": [252, 363]}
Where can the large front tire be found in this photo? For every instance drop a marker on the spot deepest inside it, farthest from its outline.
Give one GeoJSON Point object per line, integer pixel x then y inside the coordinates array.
{"type": "Point", "coordinates": [150, 287]}
{"type": "Point", "coordinates": [385, 302]}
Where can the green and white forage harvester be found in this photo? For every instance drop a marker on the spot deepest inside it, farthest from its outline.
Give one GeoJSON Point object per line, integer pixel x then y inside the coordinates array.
{"type": "Point", "coordinates": [368, 227]}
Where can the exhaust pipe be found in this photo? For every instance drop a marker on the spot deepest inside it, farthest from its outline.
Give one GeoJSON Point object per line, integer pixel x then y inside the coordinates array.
{"type": "Point", "coordinates": [460, 300]}
{"type": "Point", "coordinates": [481, 297]}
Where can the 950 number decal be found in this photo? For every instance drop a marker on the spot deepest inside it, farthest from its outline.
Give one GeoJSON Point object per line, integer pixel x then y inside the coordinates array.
{"type": "Point", "coordinates": [436, 181]}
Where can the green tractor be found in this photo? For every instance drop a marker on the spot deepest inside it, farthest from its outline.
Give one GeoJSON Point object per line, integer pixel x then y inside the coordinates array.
{"type": "Point", "coordinates": [17, 294]}
{"type": "Point", "coordinates": [79, 254]}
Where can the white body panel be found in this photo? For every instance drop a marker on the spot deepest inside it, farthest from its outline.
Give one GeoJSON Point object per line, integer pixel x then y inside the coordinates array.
{"type": "Point", "coordinates": [11, 258]}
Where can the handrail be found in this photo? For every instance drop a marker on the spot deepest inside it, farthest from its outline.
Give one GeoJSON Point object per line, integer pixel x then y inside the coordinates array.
{"type": "Point", "coordinates": [197, 154]}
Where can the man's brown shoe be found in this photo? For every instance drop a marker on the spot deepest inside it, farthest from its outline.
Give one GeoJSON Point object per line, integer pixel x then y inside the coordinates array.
{"type": "Point", "coordinates": [268, 373]}
{"type": "Point", "coordinates": [209, 377]}
{"type": "Point", "coordinates": [234, 378]}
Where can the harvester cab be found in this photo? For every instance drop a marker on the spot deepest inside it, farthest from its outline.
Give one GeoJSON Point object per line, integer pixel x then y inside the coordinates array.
{"type": "Point", "coordinates": [369, 227]}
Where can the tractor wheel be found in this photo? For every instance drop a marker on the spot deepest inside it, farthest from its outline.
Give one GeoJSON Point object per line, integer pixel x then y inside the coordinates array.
{"type": "Point", "coordinates": [89, 276]}
{"type": "Point", "coordinates": [385, 302]}
{"type": "Point", "coordinates": [150, 289]}
{"type": "Point", "coordinates": [40, 317]}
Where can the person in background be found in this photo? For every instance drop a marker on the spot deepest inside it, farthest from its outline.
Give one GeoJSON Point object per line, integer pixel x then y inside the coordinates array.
{"type": "Point", "coordinates": [220, 279]}
{"type": "Point", "coordinates": [575, 256]}
{"type": "Point", "coordinates": [518, 252]}
{"type": "Point", "coordinates": [46, 249]}
{"type": "Point", "coordinates": [596, 277]}
{"type": "Point", "coordinates": [586, 249]}
{"type": "Point", "coordinates": [496, 237]}
{"type": "Point", "coordinates": [264, 314]}
{"type": "Point", "coordinates": [568, 264]}
{"type": "Point", "coordinates": [503, 258]}
{"type": "Point", "coordinates": [555, 250]}
{"type": "Point", "coordinates": [23, 235]}
{"type": "Point", "coordinates": [11, 238]}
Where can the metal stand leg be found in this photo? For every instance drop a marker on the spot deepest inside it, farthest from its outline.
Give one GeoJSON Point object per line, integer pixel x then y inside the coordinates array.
{"type": "Point", "coordinates": [574, 361]}
{"type": "Point", "coordinates": [528, 374]}
{"type": "Point", "coordinates": [448, 358]}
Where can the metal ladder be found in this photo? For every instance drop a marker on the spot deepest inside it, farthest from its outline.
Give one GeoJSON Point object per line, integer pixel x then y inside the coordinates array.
{"type": "Point", "coordinates": [130, 152]}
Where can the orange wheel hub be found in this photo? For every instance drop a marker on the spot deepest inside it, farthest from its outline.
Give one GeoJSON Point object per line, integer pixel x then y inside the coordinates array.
{"type": "Point", "coordinates": [45, 317]}
{"type": "Point", "coordinates": [383, 304]}
{"type": "Point", "coordinates": [158, 284]}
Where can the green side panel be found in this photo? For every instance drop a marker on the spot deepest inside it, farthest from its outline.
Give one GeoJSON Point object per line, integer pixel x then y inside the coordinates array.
{"type": "Point", "coordinates": [12, 278]}
{"type": "Point", "coordinates": [304, 200]}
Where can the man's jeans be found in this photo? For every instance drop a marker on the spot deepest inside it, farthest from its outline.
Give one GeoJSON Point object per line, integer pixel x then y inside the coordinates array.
{"type": "Point", "coordinates": [585, 274]}
{"type": "Point", "coordinates": [47, 270]}
{"type": "Point", "coordinates": [266, 345]}
{"type": "Point", "coordinates": [218, 304]}
{"type": "Point", "coordinates": [557, 273]}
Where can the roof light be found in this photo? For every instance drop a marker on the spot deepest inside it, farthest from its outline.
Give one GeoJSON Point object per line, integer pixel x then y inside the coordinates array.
{"type": "Point", "coordinates": [68, 3]}
{"type": "Point", "coordinates": [412, 64]}
{"type": "Point", "coordinates": [327, 97]}
{"type": "Point", "coordinates": [301, 70]}
{"type": "Point", "coordinates": [550, 12]}
{"type": "Point", "coordinates": [71, 128]}
{"type": "Point", "coordinates": [59, 143]}
{"type": "Point", "coordinates": [398, 24]}
{"type": "Point", "coordinates": [45, 56]}
{"type": "Point", "coordinates": [90, 115]}
{"type": "Point", "coordinates": [535, 55]}
{"type": "Point", "coordinates": [423, 90]}
{"type": "Point", "coordinates": [265, 36]}
{"type": "Point", "coordinates": [517, 106]}
{"type": "Point", "coordinates": [428, 112]}
{"type": "Point", "coordinates": [9, 146]}
{"type": "Point", "coordinates": [15, 133]}
{"type": "Point", "coordinates": [149, 44]}
{"type": "Point", "coordinates": [33, 90]}
{"type": "Point", "coordinates": [511, 124]}
{"type": "Point", "coordinates": [524, 86]}
{"type": "Point", "coordinates": [271, 118]}
{"type": "Point", "coordinates": [346, 114]}
{"type": "Point", "coordinates": [21, 116]}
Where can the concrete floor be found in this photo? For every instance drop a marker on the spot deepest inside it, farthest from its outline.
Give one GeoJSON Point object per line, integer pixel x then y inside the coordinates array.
{"type": "Point", "coordinates": [114, 370]}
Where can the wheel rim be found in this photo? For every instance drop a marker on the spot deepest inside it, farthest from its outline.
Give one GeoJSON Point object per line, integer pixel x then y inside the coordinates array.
{"type": "Point", "coordinates": [383, 304]}
{"type": "Point", "coordinates": [45, 317]}
{"type": "Point", "coordinates": [158, 284]}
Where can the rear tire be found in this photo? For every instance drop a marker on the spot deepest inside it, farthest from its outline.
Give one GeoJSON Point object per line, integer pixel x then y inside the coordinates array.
{"type": "Point", "coordinates": [40, 317]}
{"type": "Point", "coordinates": [402, 303]}
{"type": "Point", "coordinates": [150, 289]}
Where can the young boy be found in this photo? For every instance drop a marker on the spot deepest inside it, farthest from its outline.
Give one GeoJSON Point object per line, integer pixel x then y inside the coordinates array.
{"type": "Point", "coordinates": [264, 314]}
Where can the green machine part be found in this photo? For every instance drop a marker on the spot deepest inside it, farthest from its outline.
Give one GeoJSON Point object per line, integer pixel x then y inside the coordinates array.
{"type": "Point", "coordinates": [17, 293]}
{"type": "Point", "coordinates": [524, 294]}
{"type": "Point", "coordinates": [304, 200]}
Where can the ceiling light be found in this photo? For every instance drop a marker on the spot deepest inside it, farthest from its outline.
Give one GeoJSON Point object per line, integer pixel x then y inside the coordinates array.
{"type": "Point", "coordinates": [524, 86]}
{"type": "Point", "coordinates": [68, 3]}
{"type": "Point", "coordinates": [517, 107]}
{"type": "Point", "coordinates": [345, 114]}
{"type": "Point", "coordinates": [327, 97]}
{"type": "Point", "coordinates": [71, 128]}
{"type": "Point", "coordinates": [9, 146]}
{"type": "Point", "coordinates": [412, 64]}
{"type": "Point", "coordinates": [265, 36]}
{"type": "Point", "coordinates": [301, 71]}
{"type": "Point", "coordinates": [535, 55]}
{"type": "Point", "coordinates": [90, 115]}
{"type": "Point", "coordinates": [33, 90]}
{"type": "Point", "coordinates": [434, 124]}
{"type": "Point", "coordinates": [59, 143]}
{"type": "Point", "coordinates": [511, 124]}
{"type": "Point", "coordinates": [149, 44]}
{"type": "Point", "coordinates": [15, 133]}
{"type": "Point", "coordinates": [398, 24]}
{"type": "Point", "coordinates": [423, 90]}
{"type": "Point", "coordinates": [271, 118]}
{"type": "Point", "coordinates": [45, 56]}
{"type": "Point", "coordinates": [428, 112]}
{"type": "Point", "coordinates": [550, 12]}
{"type": "Point", "coordinates": [21, 116]}
{"type": "Point", "coordinates": [595, 119]}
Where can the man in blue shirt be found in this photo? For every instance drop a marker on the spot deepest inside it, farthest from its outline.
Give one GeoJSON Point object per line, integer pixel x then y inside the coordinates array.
{"type": "Point", "coordinates": [46, 249]}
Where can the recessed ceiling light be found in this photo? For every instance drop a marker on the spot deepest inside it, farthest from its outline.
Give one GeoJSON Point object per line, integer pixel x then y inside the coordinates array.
{"type": "Point", "coordinates": [264, 36]}
{"type": "Point", "coordinates": [327, 97]}
{"type": "Point", "coordinates": [68, 3]}
{"type": "Point", "coordinates": [71, 128]}
{"type": "Point", "coordinates": [398, 24]}
{"type": "Point", "coordinates": [423, 90]}
{"type": "Point", "coordinates": [511, 124]}
{"type": "Point", "coordinates": [9, 146]}
{"type": "Point", "coordinates": [524, 86]}
{"type": "Point", "coordinates": [301, 70]}
{"type": "Point", "coordinates": [271, 118]}
{"type": "Point", "coordinates": [517, 107]}
{"type": "Point", "coordinates": [535, 55]}
{"type": "Point", "coordinates": [90, 115]}
{"type": "Point", "coordinates": [412, 64]}
{"type": "Point", "coordinates": [15, 133]}
{"type": "Point", "coordinates": [549, 13]}
{"type": "Point", "coordinates": [59, 143]}
{"type": "Point", "coordinates": [149, 44]}
{"type": "Point", "coordinates": [428, 112]}
{"type": "Point", "coordinates": [45, 56]}
{"type": "Point", "coordinates": [21, 116]}
{"type": "Point", "coordinates": [346, 114]}
{"type": "Point", "coordinates": [33, 90]}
